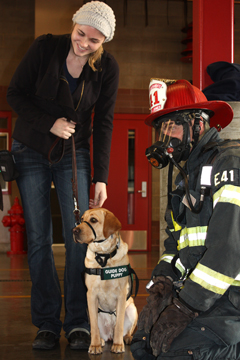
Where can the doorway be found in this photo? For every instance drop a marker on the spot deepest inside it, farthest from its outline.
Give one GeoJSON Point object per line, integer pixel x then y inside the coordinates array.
{"type": "Point", "coordinates": [129, 183]}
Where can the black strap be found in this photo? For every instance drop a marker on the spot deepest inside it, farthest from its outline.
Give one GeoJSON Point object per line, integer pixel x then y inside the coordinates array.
{"type": "Point", "coordinates": [196, 129]}
{"type": "Point", "coordinates": [168, 217]}
{"type": "Point", "coordinates": [132, 272]}
{"type": "Point", "coordinates": [102, 262]}
{"type": "Point", "coordinates": [93, 271]}
{"type": "Point", "coordinates": [107, 312]}
{"type": "Point", "coordinates": [91, 229]}
{"type": "Point", "coordinates": [94, 233]}
{"type": "Point", "coordinates": [146, 12]}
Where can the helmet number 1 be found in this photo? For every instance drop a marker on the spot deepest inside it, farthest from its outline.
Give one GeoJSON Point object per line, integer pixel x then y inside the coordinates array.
{"type": "Point", "coordinates": [155, 95]}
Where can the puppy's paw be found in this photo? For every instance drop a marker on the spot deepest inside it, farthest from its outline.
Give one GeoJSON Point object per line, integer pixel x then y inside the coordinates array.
{"type": "Point", "coordinates": [127, 339]}
{"type": "Point", "coordinates": [118, 348]}
{"type": "Point", "coordinates": [95, 349]}
{"type": "Point", "coordinates": [102, 342]}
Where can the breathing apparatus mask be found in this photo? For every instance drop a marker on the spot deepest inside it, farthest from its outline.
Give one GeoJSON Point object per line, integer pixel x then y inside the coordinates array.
{"type": "Point", "coordinates": [173, 136]}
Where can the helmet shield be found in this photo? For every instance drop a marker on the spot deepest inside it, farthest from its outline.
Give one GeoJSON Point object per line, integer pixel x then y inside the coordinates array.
{"type": "Point", "coordinates": [170, 126]}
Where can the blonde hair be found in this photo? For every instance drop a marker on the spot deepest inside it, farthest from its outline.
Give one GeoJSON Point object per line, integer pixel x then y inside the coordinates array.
{"type": "Point", "coordinates": [94, 57]}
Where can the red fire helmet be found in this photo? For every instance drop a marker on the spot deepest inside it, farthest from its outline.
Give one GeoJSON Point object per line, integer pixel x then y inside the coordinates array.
{"type": "Point", "coordinates": [181, 95]}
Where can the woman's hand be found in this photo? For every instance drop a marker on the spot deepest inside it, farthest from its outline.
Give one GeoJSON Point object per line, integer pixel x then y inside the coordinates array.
{"type": "Point", "coordinates": [63, 128]}
{"type": "Point", "coordinates": [100, 195]}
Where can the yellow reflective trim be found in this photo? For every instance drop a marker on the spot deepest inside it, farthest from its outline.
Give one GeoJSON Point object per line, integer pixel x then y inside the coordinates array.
{"type": "Point", "coordinates": [195, 236]}
{"type": "Point", "coordinates": [237, 277]}
{"type": "Point", "coordinates": [175, 224]}
{"type": "Point", "coordinates": [180, 266]}
{"type": "Point", "coordinates": [227, 194]}
{"type": "Point", "coordinates": [207, 286]}
{"type": "Point", "coordinates": [166, 257]}
{"type": "Point", "coordinates": [210, 279]}
{"type": "Point", "coordinates": [236, 283]}
{"type": "Point", "coordinates": [183, 240]}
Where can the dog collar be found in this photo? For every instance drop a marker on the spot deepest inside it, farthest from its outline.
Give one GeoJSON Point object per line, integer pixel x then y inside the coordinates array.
{"type": "Point", "coordinates": [100, 241]}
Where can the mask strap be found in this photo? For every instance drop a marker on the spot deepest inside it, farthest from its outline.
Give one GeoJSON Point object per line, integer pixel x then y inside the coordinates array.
{"type": "Point", "coordinates": [168, 217]}
{"type": "Point", "coordinates": [196, 129]}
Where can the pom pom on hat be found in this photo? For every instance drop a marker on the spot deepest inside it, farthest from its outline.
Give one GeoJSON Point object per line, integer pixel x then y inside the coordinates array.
{"type": "Point", "coordinates": [98, 15]}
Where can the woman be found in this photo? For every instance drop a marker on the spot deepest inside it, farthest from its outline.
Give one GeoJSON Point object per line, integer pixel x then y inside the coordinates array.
{"type": "Point", "coordinates": [54, 90]}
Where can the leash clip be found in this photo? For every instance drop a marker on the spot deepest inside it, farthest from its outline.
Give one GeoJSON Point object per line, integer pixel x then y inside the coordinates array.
{"type": "Point", "coordinates": [75, 206]}
{"type": "Point", "coordinates": [76, 212]}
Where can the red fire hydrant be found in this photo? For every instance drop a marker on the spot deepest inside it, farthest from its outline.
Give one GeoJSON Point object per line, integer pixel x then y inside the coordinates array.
{"type": "Point", "coordinates": [15, 221]}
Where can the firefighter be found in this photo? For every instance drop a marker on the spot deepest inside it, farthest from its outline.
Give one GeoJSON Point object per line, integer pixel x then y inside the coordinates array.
{"type": "Point", "coordinates": [193, 310]}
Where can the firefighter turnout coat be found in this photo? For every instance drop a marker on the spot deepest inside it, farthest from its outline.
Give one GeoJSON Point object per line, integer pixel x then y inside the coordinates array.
{"type": "Point", "coordinates": [202, 251]}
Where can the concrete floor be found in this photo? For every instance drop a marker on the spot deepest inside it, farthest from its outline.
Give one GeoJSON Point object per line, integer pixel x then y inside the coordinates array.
{"type": "Point", "coordinates": [17, 331]}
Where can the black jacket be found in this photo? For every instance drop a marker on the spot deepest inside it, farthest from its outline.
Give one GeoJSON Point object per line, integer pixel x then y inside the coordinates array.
{"type": "Point", "coordinates": [39, 93]}
{"type": "Point", "coordinates": [203, 249]}
{"type": "Point", "coordinates": [226, 78]}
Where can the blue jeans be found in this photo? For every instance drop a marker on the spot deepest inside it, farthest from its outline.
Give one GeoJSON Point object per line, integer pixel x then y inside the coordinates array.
{"type": "Point", "coordinates": [36, 175]}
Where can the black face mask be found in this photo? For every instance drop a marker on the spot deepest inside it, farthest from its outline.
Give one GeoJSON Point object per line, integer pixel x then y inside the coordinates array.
{"type": "Point", "coordinates": [174, 144]}
{"type": "Point", "coordinates": [173, 139]}
{"type": "Point", "coordinates": [167, 146]}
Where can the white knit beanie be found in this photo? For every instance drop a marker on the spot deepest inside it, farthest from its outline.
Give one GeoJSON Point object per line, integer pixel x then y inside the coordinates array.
{"type": "Point", "coordinates": [98, 15]}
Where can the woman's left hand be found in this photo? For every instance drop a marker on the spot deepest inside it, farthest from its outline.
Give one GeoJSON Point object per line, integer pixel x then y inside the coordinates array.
{"type": "Point", "coordinates": [100, 195]}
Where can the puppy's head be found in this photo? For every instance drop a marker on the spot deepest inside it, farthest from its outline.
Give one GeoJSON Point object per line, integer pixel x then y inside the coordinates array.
{"type": "Point", "coordinates": [96, 224]}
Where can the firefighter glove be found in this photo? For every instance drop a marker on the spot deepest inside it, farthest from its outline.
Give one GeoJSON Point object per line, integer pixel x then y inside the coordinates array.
{"type": "Point", "coordinates": [173, 320]}
{"type": "Point", "coordinates": [160, 297]}
{"type": "Point", "coordinates": [140, 346]}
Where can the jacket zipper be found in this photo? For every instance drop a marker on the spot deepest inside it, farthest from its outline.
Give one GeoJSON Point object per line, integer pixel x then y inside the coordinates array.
{"type": "Point", "coordinates": [64, 79]}
{"type": "Point", "coordinates": [80, 95]}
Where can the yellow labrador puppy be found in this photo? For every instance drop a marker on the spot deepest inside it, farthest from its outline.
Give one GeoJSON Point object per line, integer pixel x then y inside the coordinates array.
{"type": "Point", "coordinates": [113, 314]}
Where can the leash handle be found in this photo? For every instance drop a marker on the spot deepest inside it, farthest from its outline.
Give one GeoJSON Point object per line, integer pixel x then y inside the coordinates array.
{"type": "Point", "coordinates": [52, 148]}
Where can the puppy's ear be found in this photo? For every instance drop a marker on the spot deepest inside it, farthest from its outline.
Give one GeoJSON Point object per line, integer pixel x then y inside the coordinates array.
{"type": "Point", "coordinates": [111, 224]}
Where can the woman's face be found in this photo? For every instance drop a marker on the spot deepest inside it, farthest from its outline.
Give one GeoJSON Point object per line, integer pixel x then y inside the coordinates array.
{"type": "Point", "coordinates": [86, 39]}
